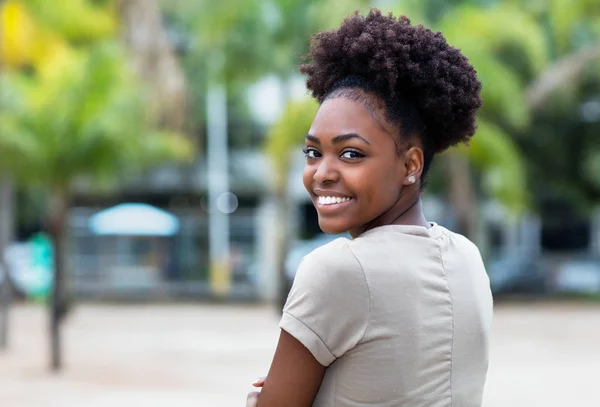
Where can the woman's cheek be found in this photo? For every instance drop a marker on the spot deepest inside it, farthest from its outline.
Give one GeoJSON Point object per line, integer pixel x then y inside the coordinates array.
{"type": "Point", "coordinates": [307, 176]}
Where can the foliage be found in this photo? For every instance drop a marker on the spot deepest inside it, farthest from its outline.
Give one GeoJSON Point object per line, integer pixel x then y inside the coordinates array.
{"type": "Point", "coordinates": [83, 118]}
{"type": "Point", "coordinates": [78, 113]}
{"type": "Point", "coordinates": [514, 46]}
{"type": "Point", "coordinates": [33, 32]}
{"type": "Point", "coordinates": [77, 21]}
{"type": "Point", "coordinates": [560, 143]}
{"type": "Point", "coordinates": [493, 152]}
{"type": "Point", "coordinates": [486, 38]}
{"type": "Point", "coordinates": [82, 112]}
{"type": "Point", "coordinates": [482, 35]}
{"type": "Point", "coordinates": [289, 131]}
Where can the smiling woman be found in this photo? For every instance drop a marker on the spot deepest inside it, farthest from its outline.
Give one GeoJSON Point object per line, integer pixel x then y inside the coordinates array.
{"type": "Point", "coordinates": [346, 151]}
{"type": "Point", "coordinates": [400, 314]}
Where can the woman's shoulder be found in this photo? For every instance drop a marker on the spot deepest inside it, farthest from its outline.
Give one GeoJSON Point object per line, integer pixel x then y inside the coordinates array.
{"type": "Point", "coordinates": [331, 256]}
{"type": "Point", "coordinates": [332, 263]}
{"type": "Point", "coordinates": [328, 306]}
{"type": "Point", "coordinates": [462, 244]}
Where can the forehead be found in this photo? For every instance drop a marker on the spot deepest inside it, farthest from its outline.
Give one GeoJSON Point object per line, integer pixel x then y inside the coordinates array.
{"type": "Point", "coordinates": [342, 116]}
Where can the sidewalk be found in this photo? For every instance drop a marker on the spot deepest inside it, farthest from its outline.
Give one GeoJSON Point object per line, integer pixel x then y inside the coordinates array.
{"type": "Point", "coordinates": [187, 355]}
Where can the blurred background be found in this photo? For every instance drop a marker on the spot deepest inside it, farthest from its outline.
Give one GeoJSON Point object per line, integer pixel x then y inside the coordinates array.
{"type": "Point", "coordinates": [152, 213]}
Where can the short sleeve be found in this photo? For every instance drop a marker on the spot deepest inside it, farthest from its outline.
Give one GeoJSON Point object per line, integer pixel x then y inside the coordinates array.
{"type": "Point", "coordinates": [327, 309]}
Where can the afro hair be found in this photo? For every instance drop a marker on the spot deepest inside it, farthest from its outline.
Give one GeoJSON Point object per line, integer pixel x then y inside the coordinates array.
{"type": "Point", "coordinates": [411, 69]}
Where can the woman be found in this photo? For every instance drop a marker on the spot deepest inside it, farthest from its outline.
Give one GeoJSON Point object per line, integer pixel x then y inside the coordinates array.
{"type": "Point", "coordinates": [400, 315]}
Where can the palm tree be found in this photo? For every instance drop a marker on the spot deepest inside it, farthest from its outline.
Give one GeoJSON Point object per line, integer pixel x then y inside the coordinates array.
{"type": "Point", "coordinates": [81, 119]}
{"type": "Point", "coordinates": [525, 55]}
{"type": "Point", "coordinates": [482, 34]}
{"type": "Point", "coordinates": [30, 31]}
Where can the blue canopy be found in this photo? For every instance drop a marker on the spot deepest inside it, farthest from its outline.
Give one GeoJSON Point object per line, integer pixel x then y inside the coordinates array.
{"type": "Point", "coordinates": [134, 219]}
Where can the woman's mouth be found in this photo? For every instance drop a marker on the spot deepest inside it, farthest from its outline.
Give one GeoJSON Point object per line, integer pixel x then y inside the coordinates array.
{"type": "Point", "coordinates": [332, 204]}
{"type": "Point", "coordinates": [330, 200]}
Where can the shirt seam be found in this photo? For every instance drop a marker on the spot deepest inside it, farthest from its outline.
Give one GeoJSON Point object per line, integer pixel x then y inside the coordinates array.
{"type": "Point", "coordinates": [368, 324]}
{"type": "Point", "coordinates": [444, 234]}
{"type": "Point", "coordinates": [313, 331]}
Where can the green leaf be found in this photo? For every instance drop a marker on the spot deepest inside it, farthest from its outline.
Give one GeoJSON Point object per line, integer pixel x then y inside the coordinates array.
{"type": "Point", "coordinates": [75, 20]}
{"type": "Point", "coordinates": [493, 152]}
{"type": "Point", "coordinates": [496, 27]}
{"type": "Point", "coordinates": [88, 120]}
{"type": "Point", "coordinates": [287, 133]}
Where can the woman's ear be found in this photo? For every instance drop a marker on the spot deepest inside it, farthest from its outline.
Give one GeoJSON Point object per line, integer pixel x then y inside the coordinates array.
{"type": "Point", "coordinates": [413, 165]}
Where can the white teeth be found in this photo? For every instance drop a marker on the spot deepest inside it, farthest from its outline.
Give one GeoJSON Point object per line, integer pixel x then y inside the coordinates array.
{"type": "Point", "coordinates": [328, 200]}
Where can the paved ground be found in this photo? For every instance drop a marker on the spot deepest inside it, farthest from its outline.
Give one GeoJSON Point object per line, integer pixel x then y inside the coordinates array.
{"type": "Point", "coordinates": [206, 356]}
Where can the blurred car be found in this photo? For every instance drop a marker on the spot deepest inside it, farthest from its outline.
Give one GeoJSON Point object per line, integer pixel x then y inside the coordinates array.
{"type": "Point", "coordinates": [578, 276]}
{"type": "Point", "coordinates": [517, 273]}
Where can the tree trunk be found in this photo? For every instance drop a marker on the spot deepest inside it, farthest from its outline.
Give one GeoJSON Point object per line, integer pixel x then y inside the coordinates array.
{"type": "Point", "coordinates": [155, 62]}
{"type": "Point", "coordinates": [462, 196]}
{"type": "Point", "coordinates": [6, 236]}
{"type": "Point", "coordinates": [58, 301]}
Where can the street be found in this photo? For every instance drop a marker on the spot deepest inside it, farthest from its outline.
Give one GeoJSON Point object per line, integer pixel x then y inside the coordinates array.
{"type": "Point", "coordinates": [207, 355]}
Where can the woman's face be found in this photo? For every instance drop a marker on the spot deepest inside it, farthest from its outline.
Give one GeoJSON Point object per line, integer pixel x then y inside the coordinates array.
{"type": "Point", "coordinates": [353, 172]}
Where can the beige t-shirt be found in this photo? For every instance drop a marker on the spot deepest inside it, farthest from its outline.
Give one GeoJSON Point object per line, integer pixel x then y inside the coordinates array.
{"type": "Point", "coordinates": [401, 316]}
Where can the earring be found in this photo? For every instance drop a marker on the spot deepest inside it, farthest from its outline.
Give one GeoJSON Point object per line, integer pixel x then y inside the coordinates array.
{"type": "Point", "coordinates": [411, 179]}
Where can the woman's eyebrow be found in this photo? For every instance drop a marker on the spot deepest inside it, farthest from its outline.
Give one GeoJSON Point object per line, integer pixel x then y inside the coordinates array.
{"type": "Point", "coordinates": [338, 139]}
{"type": "Point", "coordinates": [312, 138]}
{"type": "Point", "coordinates": [349, 136]}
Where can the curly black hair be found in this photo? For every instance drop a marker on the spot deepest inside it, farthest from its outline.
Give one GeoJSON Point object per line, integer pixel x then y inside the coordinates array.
{"type": "Point", "coordinates": [428, 89]}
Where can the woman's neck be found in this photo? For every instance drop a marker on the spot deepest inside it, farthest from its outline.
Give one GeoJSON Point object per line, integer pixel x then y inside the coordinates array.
{"type": "Point", "coordinates": [404, 212]}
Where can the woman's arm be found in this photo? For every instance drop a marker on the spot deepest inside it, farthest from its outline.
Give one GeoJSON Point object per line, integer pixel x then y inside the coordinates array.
{"type": "Point", "coordinates": [326, 315]}
{"type": "Point", "coordinates": [294, 377]}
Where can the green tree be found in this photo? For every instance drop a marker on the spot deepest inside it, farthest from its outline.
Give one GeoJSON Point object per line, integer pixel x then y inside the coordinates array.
{"type": "Point", "coordinates": [534, 59]}
{"type": "Point", "coordinates": [483, 34]}
{"type": "Point", "coordinates": [82, 121]}
{"type": "Point", "coordinates": [562, 141]}
{"type": "Point", "coordinates": [31, 34]}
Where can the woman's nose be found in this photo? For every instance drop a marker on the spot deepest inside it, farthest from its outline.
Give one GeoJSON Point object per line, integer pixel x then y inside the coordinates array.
{"type": "Point", "coordinates": [326, 172]}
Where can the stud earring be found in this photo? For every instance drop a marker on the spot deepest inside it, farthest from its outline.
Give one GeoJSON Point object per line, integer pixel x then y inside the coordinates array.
{"type": "Point", "coordinates": [411, 179]}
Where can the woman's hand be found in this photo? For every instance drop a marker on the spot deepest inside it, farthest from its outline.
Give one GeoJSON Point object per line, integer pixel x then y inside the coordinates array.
{"type": "Point", "coordinates": [252, 399]}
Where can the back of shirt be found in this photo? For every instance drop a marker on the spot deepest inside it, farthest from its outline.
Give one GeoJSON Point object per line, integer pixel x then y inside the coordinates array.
{"type": "Point", "coordinates": [401, 316]}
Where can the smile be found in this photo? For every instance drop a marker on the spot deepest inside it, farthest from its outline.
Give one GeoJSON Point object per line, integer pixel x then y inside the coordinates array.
{"type": "Point", "coordinates": [331, 200]}
{"type": "Point", "coordinates": [332, 205]}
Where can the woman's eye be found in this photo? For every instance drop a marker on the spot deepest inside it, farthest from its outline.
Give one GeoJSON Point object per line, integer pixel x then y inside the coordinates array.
{"type": "Point", "coordinates": [311, 153]}
{"type": "Point", "coordinates": [352, 155]}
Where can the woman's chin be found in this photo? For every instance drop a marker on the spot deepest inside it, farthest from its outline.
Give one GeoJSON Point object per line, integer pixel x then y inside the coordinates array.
{"type": "Point", "coordinates": [331, 227]}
